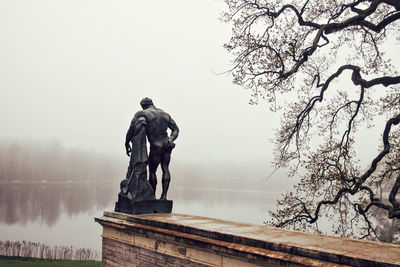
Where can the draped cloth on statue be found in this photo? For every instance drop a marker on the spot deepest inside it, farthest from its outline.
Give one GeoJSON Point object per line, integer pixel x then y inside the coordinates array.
{"type": "Point", "coordinates": [136, 186]}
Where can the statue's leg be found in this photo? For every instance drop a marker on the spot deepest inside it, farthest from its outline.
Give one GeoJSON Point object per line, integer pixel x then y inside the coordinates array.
{"type": "Point", "coordinates": [154, 161]}
{"type": "Point", "coordinates": [166, 176]}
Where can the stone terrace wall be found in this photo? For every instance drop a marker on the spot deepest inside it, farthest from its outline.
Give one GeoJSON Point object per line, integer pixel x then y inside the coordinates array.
{"type": "Point", "coordinates": [186, 240]}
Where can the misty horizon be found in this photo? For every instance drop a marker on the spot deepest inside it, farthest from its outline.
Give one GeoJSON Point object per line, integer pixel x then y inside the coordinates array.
{"type": "Point", "coordinates": [27, 161]}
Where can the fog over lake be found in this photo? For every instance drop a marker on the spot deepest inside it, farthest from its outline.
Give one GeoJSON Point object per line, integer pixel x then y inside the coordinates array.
{"type": "Point", "coordinates": [50, 194]}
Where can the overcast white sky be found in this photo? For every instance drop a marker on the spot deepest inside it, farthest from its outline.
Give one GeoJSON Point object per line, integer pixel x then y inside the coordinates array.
{"type": "Point", "coordinates": [76, 71]}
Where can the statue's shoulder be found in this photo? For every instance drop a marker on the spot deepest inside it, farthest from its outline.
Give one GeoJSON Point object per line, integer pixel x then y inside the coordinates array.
{"type": "Point", "coordinates": [162, 112]}
{"type": "Point", "coordinates": [140, 113]}
{"type": "Point", "coordinates": [152, 114]}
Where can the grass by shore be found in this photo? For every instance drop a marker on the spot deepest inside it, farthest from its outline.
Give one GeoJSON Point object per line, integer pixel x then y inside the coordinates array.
{"type": "Point", "coordinates": [6, 261]}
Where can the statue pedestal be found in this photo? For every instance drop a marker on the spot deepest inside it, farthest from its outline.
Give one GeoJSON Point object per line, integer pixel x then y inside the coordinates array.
{"type": "Point", "coordinates": [126, 205]}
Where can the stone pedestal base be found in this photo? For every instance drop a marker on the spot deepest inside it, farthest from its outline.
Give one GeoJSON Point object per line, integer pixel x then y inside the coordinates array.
{"type": "Point", "coordinates": [143, 206]}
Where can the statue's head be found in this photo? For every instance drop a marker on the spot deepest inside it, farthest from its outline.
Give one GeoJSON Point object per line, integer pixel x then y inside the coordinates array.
{"type": "Point", "coordinates": [146, 102]}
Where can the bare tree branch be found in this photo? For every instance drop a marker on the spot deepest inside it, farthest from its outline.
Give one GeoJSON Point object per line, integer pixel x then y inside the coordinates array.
{"type": "Point", "coordinates": [294, 46]}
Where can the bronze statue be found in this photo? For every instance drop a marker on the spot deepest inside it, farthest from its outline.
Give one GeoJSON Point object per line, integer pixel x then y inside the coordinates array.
{"type": "Point", "coordinates": [137, 193]}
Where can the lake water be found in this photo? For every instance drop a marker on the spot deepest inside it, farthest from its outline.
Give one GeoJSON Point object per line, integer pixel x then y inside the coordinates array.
{"type": "Point", "coordinates": [60, 214]}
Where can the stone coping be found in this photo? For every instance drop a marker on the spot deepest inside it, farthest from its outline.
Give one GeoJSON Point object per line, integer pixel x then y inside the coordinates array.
{"type": "Point", "coordinates": [315, 246]}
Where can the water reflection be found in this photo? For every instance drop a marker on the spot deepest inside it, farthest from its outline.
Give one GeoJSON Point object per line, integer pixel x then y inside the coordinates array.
{"type": "Point", "coordinates": [62, 214]}
{"type": "Point", "coordinates": [21, 204]}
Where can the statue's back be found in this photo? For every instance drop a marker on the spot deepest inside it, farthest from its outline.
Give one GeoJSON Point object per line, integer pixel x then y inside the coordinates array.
{"type": "Point", "coordinates": [157, 125]}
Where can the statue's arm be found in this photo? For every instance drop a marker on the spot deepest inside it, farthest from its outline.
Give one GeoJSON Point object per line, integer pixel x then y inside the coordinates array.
{"type": "Point", "coordinates": [174, 130]}
{"type": "Point", "coordinates": [130, 132]}
{"type": "Point", "coordinates": [129, 136]}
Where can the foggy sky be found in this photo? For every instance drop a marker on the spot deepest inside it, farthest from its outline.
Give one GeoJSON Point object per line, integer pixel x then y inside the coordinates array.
{"type": "Point", "coordinates": [76, 71]}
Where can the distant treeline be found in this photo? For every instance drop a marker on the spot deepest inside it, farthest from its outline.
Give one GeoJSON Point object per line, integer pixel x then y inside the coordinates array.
{"type": "Point", "coordinates": [32, 161]}
{"type": "Point", "coordinates": [28, 161]}
{"type": "Point", "coordinates": [43, 251]}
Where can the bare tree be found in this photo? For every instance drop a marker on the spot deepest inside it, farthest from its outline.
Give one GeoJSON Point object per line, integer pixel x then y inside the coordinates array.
{"type": "Point", "coordinates": [327, 58]}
